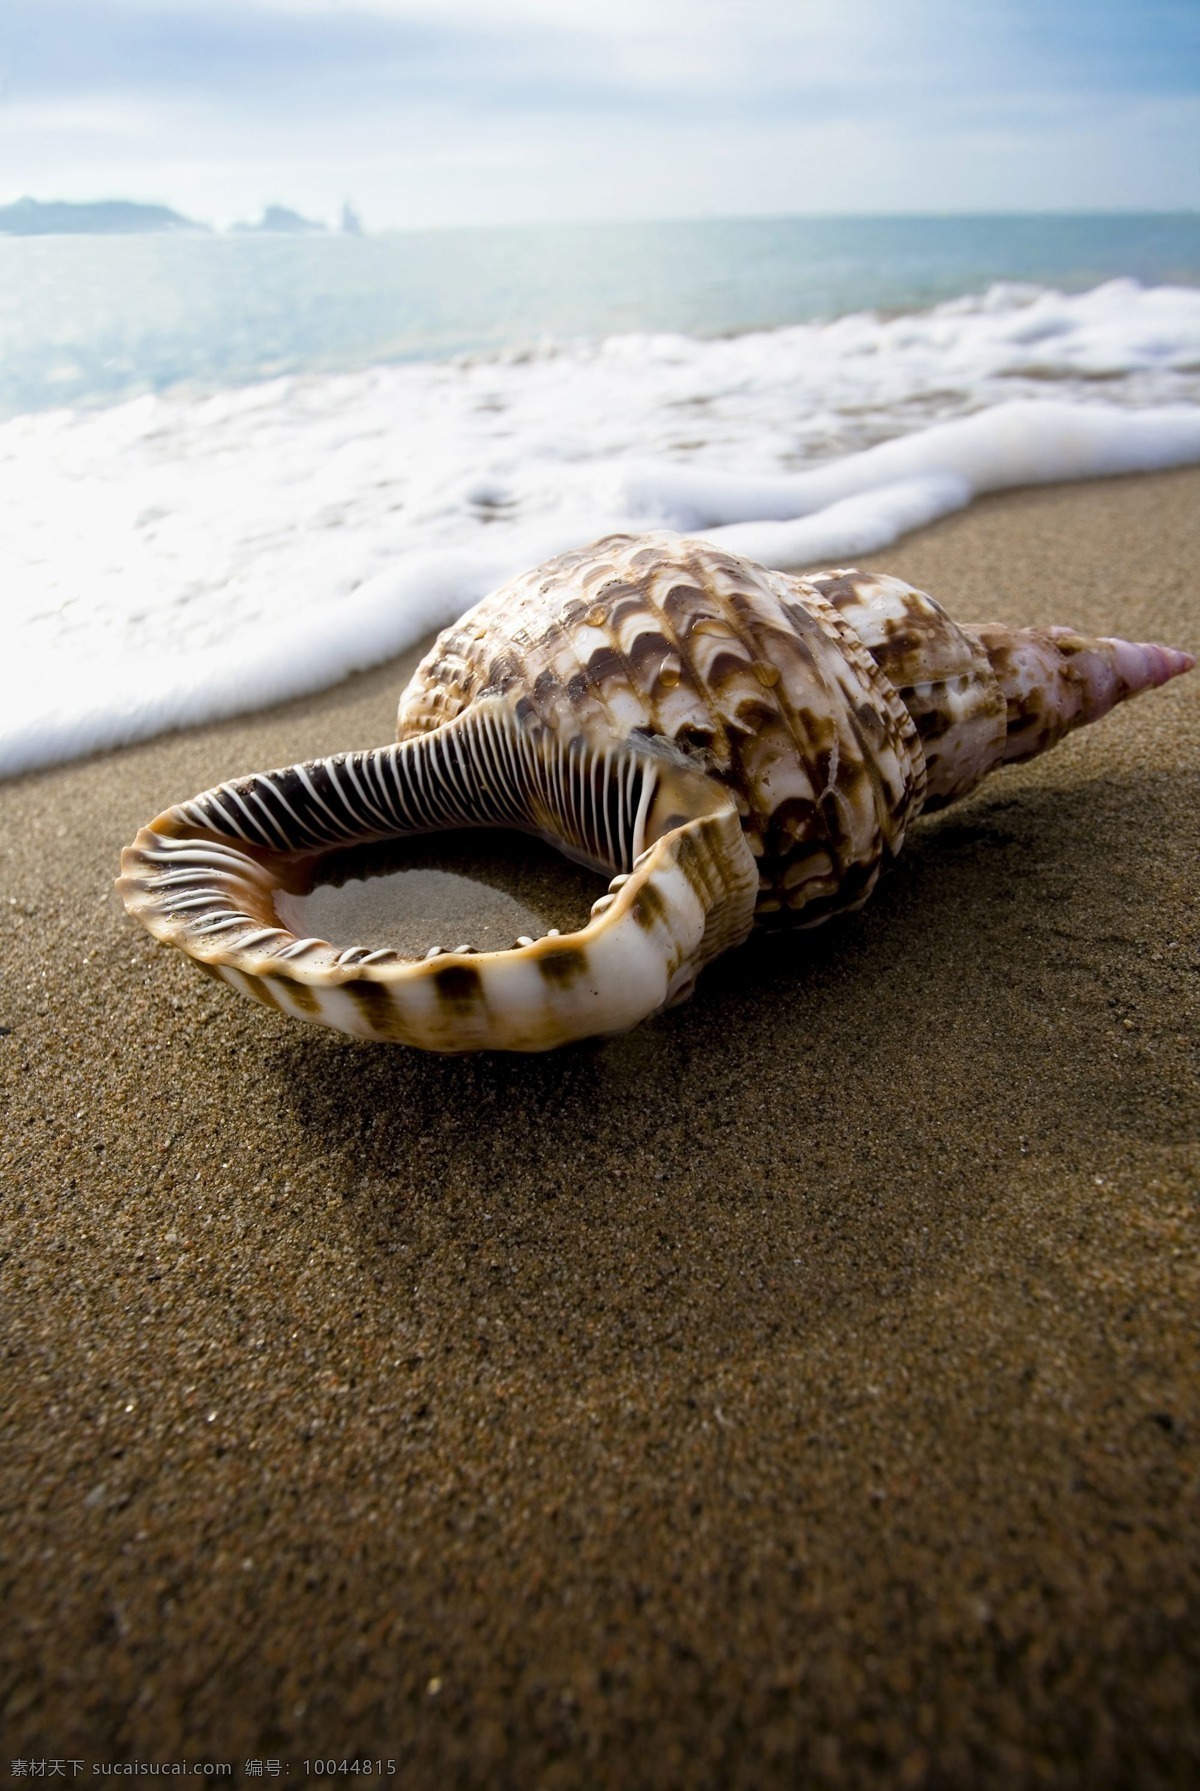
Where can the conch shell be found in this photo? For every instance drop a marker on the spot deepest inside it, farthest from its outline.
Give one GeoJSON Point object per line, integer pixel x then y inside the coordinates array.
{"type": "Point", "coordinates": [732, 745]}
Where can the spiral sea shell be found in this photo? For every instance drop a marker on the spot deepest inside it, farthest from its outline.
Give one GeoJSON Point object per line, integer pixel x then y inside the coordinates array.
{"type": "Point", "coordinates": [729, 744]}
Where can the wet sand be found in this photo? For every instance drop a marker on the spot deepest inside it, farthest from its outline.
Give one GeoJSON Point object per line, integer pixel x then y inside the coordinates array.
{"type": "Point", "coordinates": [801, 1390]}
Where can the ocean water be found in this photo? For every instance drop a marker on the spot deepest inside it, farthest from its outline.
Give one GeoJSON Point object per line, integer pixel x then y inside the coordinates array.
{"type": "Point", "coordinates": [234, 469]}
{"type": "Point", "coordinates": [90, 320]}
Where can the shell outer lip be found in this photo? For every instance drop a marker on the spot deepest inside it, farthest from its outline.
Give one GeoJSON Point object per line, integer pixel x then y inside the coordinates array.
{"type": "Point", "coordinates": [200, 877]}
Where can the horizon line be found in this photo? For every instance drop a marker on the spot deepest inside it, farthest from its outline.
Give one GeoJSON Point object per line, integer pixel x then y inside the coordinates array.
{"type": "Point", "coordinates": [869, 215]}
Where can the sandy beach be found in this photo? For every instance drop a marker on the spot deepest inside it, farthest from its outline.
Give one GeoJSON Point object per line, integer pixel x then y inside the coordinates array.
{"type": "Point", "coordinates": [801, 1390]}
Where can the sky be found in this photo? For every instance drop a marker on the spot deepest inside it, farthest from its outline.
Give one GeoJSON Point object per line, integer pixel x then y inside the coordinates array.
{"type": "Point", "coordinates": [450, 112]}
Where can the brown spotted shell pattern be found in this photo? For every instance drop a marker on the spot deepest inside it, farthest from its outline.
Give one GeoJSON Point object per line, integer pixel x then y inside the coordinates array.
{"type": "Point", "coordinates": [754, 676]}
{"type": "Point", "coordinates": [731, 744]}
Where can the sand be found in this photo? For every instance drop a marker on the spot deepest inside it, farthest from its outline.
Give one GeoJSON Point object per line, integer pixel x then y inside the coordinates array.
{"type": "Point", "coordinates": [801, 1390]}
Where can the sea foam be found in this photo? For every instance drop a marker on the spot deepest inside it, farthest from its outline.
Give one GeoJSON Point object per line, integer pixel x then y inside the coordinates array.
{"type": "Point", "coordinates": [175, 559]}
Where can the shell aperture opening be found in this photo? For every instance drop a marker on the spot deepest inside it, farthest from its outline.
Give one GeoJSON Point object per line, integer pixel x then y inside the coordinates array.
{"type": "Point", "coordinates": [485, 887]}
{"type": "Point", "coordinates": [208, 876]}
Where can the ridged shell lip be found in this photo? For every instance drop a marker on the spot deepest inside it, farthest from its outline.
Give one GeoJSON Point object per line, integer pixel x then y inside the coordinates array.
{"type": "Point", "coordinates": [204, 876]}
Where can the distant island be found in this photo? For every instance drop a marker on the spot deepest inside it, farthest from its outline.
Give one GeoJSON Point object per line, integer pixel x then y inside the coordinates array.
{"type": "Point", "coordinates": [101, 217]}
{"type": "Point", "coordinates": [123, 217]}
{"type": "Point", "coordinates": [278, 220]}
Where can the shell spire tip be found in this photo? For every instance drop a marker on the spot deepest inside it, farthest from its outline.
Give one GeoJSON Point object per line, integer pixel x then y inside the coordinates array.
{"type": "Point", "coordinates": [1054, 680]}
{"type": "Point", "coordinates": [1144, 665]}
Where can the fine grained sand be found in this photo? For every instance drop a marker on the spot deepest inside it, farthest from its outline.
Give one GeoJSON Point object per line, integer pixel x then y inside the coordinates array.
{"type": "Point", "coordinates": [801, 1390]}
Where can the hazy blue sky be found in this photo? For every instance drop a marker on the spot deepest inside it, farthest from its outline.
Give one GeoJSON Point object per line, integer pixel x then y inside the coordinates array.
{"type": "Point", "coordinates": [466, 111]}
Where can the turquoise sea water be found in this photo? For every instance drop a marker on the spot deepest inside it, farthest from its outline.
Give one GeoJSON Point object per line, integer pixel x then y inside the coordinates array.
{"type": "Point", "coordinates": [92, 320]}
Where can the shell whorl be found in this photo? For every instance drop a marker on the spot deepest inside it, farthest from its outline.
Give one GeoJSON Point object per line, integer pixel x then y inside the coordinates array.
{"type": "Point", "coordinates": [733, 743]}
{"type": "Point", "coordinates": [752, 674]}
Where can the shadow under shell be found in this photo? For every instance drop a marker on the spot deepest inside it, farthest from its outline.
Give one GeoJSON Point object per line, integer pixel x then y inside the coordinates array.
{"type": "Point", "coordinates": [481, 887]}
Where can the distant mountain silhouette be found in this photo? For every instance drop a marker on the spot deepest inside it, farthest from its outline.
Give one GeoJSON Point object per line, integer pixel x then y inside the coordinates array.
{"type": "Point", "coordinates": [102, 217]}
{"type": "Point", "coordinates": [278, 220]}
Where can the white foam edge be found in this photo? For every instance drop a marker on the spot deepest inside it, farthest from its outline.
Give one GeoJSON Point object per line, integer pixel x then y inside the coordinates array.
{"type": "Point", "coordinates": [858, 504]}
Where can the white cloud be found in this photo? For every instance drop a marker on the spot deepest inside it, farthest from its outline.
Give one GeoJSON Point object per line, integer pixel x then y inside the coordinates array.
{"type": "Point", "coordinates": [44, 121]}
